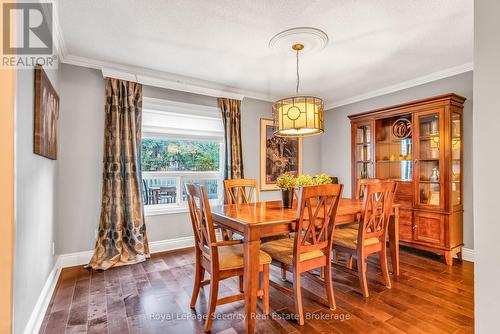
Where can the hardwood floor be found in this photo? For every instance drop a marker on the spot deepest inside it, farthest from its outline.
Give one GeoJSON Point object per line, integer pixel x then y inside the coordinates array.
{"type": "Point", "coordinates": [154, 296]}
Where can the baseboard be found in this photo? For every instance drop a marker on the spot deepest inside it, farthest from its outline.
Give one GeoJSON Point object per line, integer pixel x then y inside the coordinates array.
{"type": "Point", "coordinates": [79, 259]}
{"type": "Point", "coordinates": [467, 254]}
{"type": "Point", "coordinates": [74, 259]}
{"type": "Point", "coordinates": [171, 244]}
{"type": "Point", "coordinates": [36, 318]}
{"type": "Point", "coordinates": [82, 258]}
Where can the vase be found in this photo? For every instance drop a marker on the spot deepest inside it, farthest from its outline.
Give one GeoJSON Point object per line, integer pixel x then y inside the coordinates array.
{"type": "Point", "coordinates": [287, 198]}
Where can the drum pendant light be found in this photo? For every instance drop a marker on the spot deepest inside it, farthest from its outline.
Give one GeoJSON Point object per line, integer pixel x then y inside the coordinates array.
{"type": "Point", "coordinates": [298, 116]}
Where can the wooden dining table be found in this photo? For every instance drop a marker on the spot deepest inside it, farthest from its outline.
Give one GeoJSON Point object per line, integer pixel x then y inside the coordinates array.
{"type": "Point", "coordinates": [262, 219]}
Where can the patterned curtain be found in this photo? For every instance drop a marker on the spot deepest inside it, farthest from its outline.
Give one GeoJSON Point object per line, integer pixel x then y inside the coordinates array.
{"type": "Point", "coordinates": [231, 117]}
{"type": "Point", "coordinates": [122, 233]}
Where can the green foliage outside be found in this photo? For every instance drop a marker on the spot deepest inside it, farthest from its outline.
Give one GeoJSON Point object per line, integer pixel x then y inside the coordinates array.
{"type": "Point", "coordinates": [179, 155]}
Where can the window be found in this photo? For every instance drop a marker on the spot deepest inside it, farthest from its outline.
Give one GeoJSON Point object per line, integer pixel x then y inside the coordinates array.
{"type": "Point", "coordinates": [181, 144]}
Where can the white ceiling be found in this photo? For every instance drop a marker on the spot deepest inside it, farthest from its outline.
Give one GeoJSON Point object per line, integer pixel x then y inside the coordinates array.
{"type": "Point", "coordinates": [373, 43]}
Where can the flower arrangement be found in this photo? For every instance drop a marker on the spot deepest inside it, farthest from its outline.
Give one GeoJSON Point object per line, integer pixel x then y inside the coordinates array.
{"type": "Point", "coordinates": [322, 179]}
{"type": "Point", "coordinates": [305, 180]}
{"type": "Point", "coordinates": [286, 182]}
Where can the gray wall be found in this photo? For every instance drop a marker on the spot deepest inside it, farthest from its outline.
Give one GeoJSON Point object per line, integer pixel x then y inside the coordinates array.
{"type": "Point", "coordinates": [486, 165]}
{"type": "Point", "coordinates": [80, 159]}
{"type": "Point", "coordinates": [336, 142]}
{"type": "Point", "coordinates": [79, 179]}
{"type": "Point", "coordinates": [35, 182]}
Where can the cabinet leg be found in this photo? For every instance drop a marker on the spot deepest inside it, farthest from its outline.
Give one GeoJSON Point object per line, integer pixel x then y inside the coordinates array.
{"type": "Point", "coordinates": [448, 258]}
{"type": "Point", "coordinates": [459, 256]}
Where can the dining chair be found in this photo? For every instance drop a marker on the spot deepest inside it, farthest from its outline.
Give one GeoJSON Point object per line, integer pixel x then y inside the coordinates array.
{"type": "Point", "coordinates": [362, 183]}
{"type": "Point", "coordinates": [371, 235]}
{"type": "Point", "coordinates": [241, 191]}
{"type": "Point", "coordinates": [311, 246]}
{"type": "Point", "coordinates": [221, 259]}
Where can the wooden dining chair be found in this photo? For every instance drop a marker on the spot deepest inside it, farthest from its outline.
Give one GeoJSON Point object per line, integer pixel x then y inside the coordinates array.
{"type": "Point", "coordinates": [371, 236]}
{"type": "Point", "coordinates": [312, 244]}
{"type": "Point", "coordinates": [221, 259]}
{"type": "Point", "coordinates": [241, 191]}
{"type": "Point", "coordinates": [362, 183]}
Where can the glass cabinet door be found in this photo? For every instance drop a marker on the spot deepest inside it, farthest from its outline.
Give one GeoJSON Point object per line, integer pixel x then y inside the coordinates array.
{"type": "Point", "coordinates": [456, 158]}
{"type": "Point", "coordinates": [363, 151]}
{"type": "Point", "coordinates": [429, 159]}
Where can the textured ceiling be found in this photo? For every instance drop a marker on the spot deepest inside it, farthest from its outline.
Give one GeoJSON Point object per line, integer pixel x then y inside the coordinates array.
{"type": "Point", "coordinates": [373, 43]}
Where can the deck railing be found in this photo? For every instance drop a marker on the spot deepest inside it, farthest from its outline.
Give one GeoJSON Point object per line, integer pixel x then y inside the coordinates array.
{"type": "Point", "coordinates": [165, 189]}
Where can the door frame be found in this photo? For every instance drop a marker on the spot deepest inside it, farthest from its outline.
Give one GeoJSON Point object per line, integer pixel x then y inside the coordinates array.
{"type": "Point", "coordinates": [7, 109]}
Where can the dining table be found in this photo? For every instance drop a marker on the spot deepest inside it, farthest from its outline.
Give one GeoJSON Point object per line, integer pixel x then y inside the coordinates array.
{"type": "Point", "coordinates": [264, 219]}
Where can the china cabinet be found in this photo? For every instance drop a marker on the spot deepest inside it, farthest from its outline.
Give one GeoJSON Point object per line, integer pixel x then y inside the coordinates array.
{"type": "Point", "coordinates": [418, 144]}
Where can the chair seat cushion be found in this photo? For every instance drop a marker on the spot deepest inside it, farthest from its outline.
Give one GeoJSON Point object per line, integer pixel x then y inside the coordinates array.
{"type": "Point", "coordinates": [231, 257]}
{"type": "Point", "coordinates": [282, 251]}
{"type": "Point", "coordinates": [348, 237]}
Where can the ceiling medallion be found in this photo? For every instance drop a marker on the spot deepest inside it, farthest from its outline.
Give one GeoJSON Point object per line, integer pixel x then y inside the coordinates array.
{"type": "Point", "coordinates": [312, 39]}
{"type": "Point", "coordinates": [298, 116]}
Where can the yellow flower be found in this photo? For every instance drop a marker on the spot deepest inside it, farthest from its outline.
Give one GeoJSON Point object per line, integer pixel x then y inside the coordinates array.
{"type": "Point", "coordinates": [286, 181]}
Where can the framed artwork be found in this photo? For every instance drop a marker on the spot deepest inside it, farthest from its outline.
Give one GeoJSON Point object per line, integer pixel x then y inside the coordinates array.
{"type": "Point", "coordinates": [278, 155]}
{"type": "Point", "coordinates": [46, 116]}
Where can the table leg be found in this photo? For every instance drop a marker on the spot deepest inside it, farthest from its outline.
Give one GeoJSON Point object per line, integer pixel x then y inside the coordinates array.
{"type": "Point", "coordinates": [394, 242]}
{"type": "Point", "coordinates": [251, 280]}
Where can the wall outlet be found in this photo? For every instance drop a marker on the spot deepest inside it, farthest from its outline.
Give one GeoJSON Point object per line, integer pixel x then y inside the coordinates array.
{"type": "Point", "coordinates": [53, 248]}
{"type": "Point", "coordinates": [96, 232]}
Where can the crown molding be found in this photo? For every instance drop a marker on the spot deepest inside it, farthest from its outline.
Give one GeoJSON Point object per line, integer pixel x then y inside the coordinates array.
{"type": "Point", "coordinates": [57, 32]}
{"type": "Point", "coordinates": [202, 87]}
{"type": "Point", "coordinates": [163, 79]}
{"type": "Point", "coordinates": [449, 72]}
{"type": "Point", "coordinates": [57, 37]}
